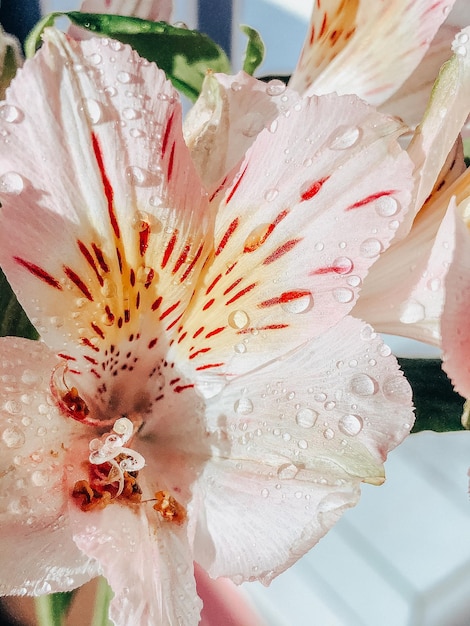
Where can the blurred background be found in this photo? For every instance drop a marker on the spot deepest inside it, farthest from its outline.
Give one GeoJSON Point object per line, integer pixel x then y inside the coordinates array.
{"type": "Point", "coordinates": [402, 556]}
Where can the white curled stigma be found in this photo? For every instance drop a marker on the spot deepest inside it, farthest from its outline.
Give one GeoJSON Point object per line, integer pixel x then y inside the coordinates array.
{"type": "Point", "coordinates": [105, 450]}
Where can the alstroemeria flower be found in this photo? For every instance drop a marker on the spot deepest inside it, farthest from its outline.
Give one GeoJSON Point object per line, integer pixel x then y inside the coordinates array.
{"type": "Point", "coordinates": [372, 48]}
{"type": "Point", "coordinates": [200, 392]}
{"type": "Point", "coordinates": [404, 294]}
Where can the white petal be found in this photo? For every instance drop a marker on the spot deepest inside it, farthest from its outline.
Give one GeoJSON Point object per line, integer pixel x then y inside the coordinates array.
{"type": "Point", "coordinates": [302, 433]}
{"type": "Point", "coordinates": [36, 445]}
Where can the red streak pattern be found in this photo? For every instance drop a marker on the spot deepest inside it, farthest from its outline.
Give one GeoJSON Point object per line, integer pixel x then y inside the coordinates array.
{"type": "Point", "coordinates": [285, 297]}
{"type": "Point", "coordinates": [78, 282]}
{"type": "Point", "coordinates": [241, 293]}
{"type": "Point", "coordinates": [371, 198]}
{"type": "Point", "coordinates": [38, 272]}
{"type": "Point", "coordinates": [168, 250]}
{"type": "Point", "coordinates": [108, 190]}
{"type": "Point", "coordinates": [228, 233]}
{"type": "Point", "coordinates": [314, 189]}
{"type": "Point", "coordinates": [286, 247]}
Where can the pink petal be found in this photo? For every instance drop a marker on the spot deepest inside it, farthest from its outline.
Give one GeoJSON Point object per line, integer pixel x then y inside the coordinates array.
{"type": "Point", "coordinates": [445, 116]}
{"type": "Point", "coordinates": [366, 48]}
{"type": "Point", "coordinates": [93, 179]}
{"type": "Point", "coordinates": [226, 119]}
{"type": "Point", "coordinates": [223, 603]}
{"type": "Point", "coordinates": [302, 433]}
{"type": "Point", "coordinates": [35, 443]}
{"type": "Point", "coordinates": [147, 563]}
{"type": "Point", "coordinates": [318, 198]}
{"type": "Point", "coordinates": [455, 327]}
{"type": "Point", "coordinates": [410, 101]}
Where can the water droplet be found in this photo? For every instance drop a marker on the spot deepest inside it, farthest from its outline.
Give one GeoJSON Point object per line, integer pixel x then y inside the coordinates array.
{"type": "Point", "coordinates": [386, 206]}
{"type": "Point", "coordinates": [239, 348]}
{"type": "Point", "coordinates": [271, 194]}
{"type": "Point", "coordinates": [130, 114]}
{"type": "Point", "coordinates": [12, 406]}
{"type": "Point", "coordinates": [253, 124]}
{"type": "Point", "coordinates": [303, 444]}
{"type": "Point", "coordinates": [273, 126]}
{"type": "Point", "coordinates": [345, 137]}
{"type": "Point", "coordinates": [396, 389]}
{"type": "Point", "coordinates": [238, 319]}
{"type": "Point", "coordinates": [123, 77]}
{"type": "Point", "coordinates": [459, 45]}
{"type": "Point", "coordinates": [275, 87]}
{"type": "Point", "coordinates": [110, 91]}
{"type": "Point", "coordinates": [385, 350]}
{"type": "Point", "coordinates": [12, 183]}
{"type": "Point", "coordinates": [39, 478]}
{"type": "Point", "coordinates": [412, 312]}
{"type": "Point", "coordinates": [243, 406]}
{"type": "Point", "coordinates": [109, 288]}
{"type": "Point", "coordinates": [136, 175]}
{"type": "Point", "coordinates": [287, 471]}
{"type": "Point", "coordinates": [354, 281]}
{"type": "Point", "coordinates": [235, 86]}
{"type": "Point", "coordinates": [29, 377]}
{"type": "Point", "coordinates": [434, 284]}
{"type": "Point", "coordinates": [92, 110]}
{"type": "Point", "coordinates": [343, 295]}
{"type": "Point", "coordinates": [330, 405]}
{"type": "Point", "coordinates": [370, 248]}
{"type": "Point", "coordinates": [328, 433]}
{"type": "Point", "coordinates": [343, 265]}
{"type": "Point", "coordinates": [367, 333]}
{"type": "Point", "coordinates": [13, 437]}
{"type": "Point", "coordinates": [136, 133]}
{"type": "Point", "coordinates": [319, 397]}
{"type": "Point", "coordinates": [10, 113]}
{"type": "Point", "coordinates": [350, 424]}
{"type": "Point", "coordinates": [265, 492]}
{"type": "Point", "coordinates": [41, 431]}
{"type": "Point", "coordinates": [363, 385]}
{"type": "Point", "coordinates": [301, 303]}
{"type": "Point", "coordinates": [95, 58]}
{"type": "Point", "coordinates": [26, 421]}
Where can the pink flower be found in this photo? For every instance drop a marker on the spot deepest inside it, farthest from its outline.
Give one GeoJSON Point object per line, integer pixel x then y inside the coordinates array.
{"type": "Point", "coordinates": [388, 53]}
{"type": "Point", "coordinates": [201, 393]}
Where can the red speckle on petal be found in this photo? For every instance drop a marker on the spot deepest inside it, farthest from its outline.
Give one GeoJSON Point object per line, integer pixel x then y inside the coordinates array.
{"type": "Point", "coordinates": [100, 258]}
{"type": "Point", "coordinates": [182, 258]}
{"type": "Point", "coordinates": [215, 332]}
{"type": "Point", "coordinates": [190, 267]}
{"type": "Point", "coordinates": [232, 286]}
{"type": "Point", "coordinates": [38, 272]}
{"type": "Point", "coordinates": [86, 342]}
{"type": "Point", "coordinates": [371, 198]}
{"type": "Point", "coordinates": [169, 310]}
{"type": "Point", "coordinates": [313, 189]}
{"type": "Point", "coordinates": [235, 187]}
{"type": "Point", "coordinates": [180, 388]}
{"type": "Point", "coordinates": [90, 260]}
{"type": "Point", "coordinates": [166, 134]}
{"type": "Point", "coordinates": [213, 284]}
{"type": "Point", "coordinates": [132, 277]}
{"type": "Point", "coordinates": [323, 26]}
{"type": "Point", "coordinates": [208, 304]}
{"type": "Point", "coordinates": [97, 330]}
{"type": "Point", "coordinates": [152, 343]}
{"type": "Point", "coordinates": [198, 332]}
{"type": "Point", "coordinates": [144, 234]}
{"type": "Point", "coordinates": [201, 351]}
{"type": "Point", "coordinates": [208, 366]}
{"type": "Point", "coordinates": [157, 303]}
{"type": "Point", "coordinates": [171, 161]}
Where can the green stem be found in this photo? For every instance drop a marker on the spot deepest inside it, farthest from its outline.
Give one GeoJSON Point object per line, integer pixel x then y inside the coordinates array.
{"type": "Point", "coordinates": [102, 599]}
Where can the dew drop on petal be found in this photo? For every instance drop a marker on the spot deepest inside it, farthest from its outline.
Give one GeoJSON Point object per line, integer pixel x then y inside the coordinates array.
{"type": "Point", "coordinates": [370, 248]}
{"type": "Point", "coordinates": [238, 320]}
{"type": "Point", "coordinates": [386, 206]}
{"type": "Point", "coordinates": [363, 385]}
{"type": "Point", "coordinates": [434, 284]}
{"type": "Point", "coordinates": [354, 281]}
{"type": "Point", "coordinates": [130, 114]}
{"type": "Point", "coordinates": [306, 417]}
{"type": "Point", "coordinates": [135, 175]}
{"type": "Point", "coordinates": [10, 113]}
{"type": "Point", "coordinates": [287, 471]}
{"type": "Point", "coordinates": [275, 87]}
{"type": "Point", "coordinates": [343, 265]}
{"type": "Point", "coordinates": [265, 492]}
{"type": "Point", "coordinates": [350, 424]}
{"type": "Point", "coordinates": [39, 478]}
{"type": "Point", "coordinates": [93, 110]}
{"type": "Point", "coordinates": [243, 406]}
{"type": "Point", "coordinates": [412, 312]}
{"type": "Point", "coordinates": [13, 437]}
{"type": "Point", "coordinates": [385, 350]}
{"type": "Point", "coordinates": [123, 77]}
{"type": "Point", "coordinates": [235, 86]}
{"type": "Point", "coordinates": [303, 444]}
{"type": "Point", "coordinates": [343, 295]}
{"type": "Point", "coordinates": [328, 433]}
{"type": "Point", "coordinates": [271, 194]}
{"type": "Point", "coordinates": [345, 137]}
{"type": "Point", "coordinates": [96, 58]}
{"type": "Point", "coordinates": [301, 304]}
{"type": "Point", "coordinates": [396, 389]}
{"type": "Point", "coordinates": [239, 348]}
{"type": "Point", "coordinates": [11, 183]}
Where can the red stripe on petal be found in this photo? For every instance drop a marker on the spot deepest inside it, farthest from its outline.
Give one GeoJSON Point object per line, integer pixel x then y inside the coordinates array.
{"type": "Point", "coordinates": [171, 161]}
{"type": "Point", "coordinates": [78, 282]}
{"type": "Point", "coordinates": [169, 310]}
{"type": "Point", "coordinates": [228, 233]}
{"type": "Point", "coordinates": [201, 351]}
{"type": "Point", "coordinates": [108, 190]}
{"type": "Point", "coordinates": [97, 330]}
{"type": "Point", "coordinates": [182, 258]}
{"type": "Point", "coordinates": [213, 284]}
{"type": "Point", "coordinates": [166, 134]}
{"type": "Point", "coordinates": [152, 343]}
{"type": "Point", "coordinates": [86, 342]}
{"type": "Point", "coordinates": [241, 293]}
{"type": "Point", "coordinates": [90, 260]}
{"type": "Point", "coordinates": [215, 332]}
{"type": "Point", "coordinates": [198, 332]}
{"type": "Point", "coordinates": [190, 267]}
{"type": "Point", "coordinates": [169, 249]}
{"type": "Point", "coordinates": [208, 366]}
{"type": "Point", "coordinates": [286, 247]}
{"type": "Point", "coordinates": [180, 388]}
{"type": "Point", "coordinates": [156, 303]}
{"type": "Point", "coordinates": [371, 198]}
{"type": "Point", "coordinates": [287, 296]}
{"type": "Point", "coordinates": [208, 304]}
{"type": "Point", "coordinates": [313, 189]}
{"type": "Point", "coordinates": [144, 234]}
{"type": "Point", "coordinates": [235, 187]}
{"type": "Point", "coordinates": [100, 258]}
{"type": "Point", "coordinates": [232, 286]}
{"type": "Point", "coordinates": [38, 272]}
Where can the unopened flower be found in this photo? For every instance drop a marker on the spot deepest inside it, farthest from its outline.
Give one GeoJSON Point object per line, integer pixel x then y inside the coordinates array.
{"type": "Point", "coordinates": [200, 393]}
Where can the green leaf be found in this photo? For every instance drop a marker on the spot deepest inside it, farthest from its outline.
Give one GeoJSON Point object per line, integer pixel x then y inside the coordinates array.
{"type": "Point", "coordinates": [254, 53]}
{"type": "Point", "coordinates": [438, 406]}
{"type": "Point", "coordinates": [103, 597]}
{"type": "Point", "coordinates": [52, 609]}
{"type": "Point", "coordinates": [184, 55]}
{"type": "Point", "coordinates": [33, 40]}
{"type": "Point", "coordinates": [13, 320]}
